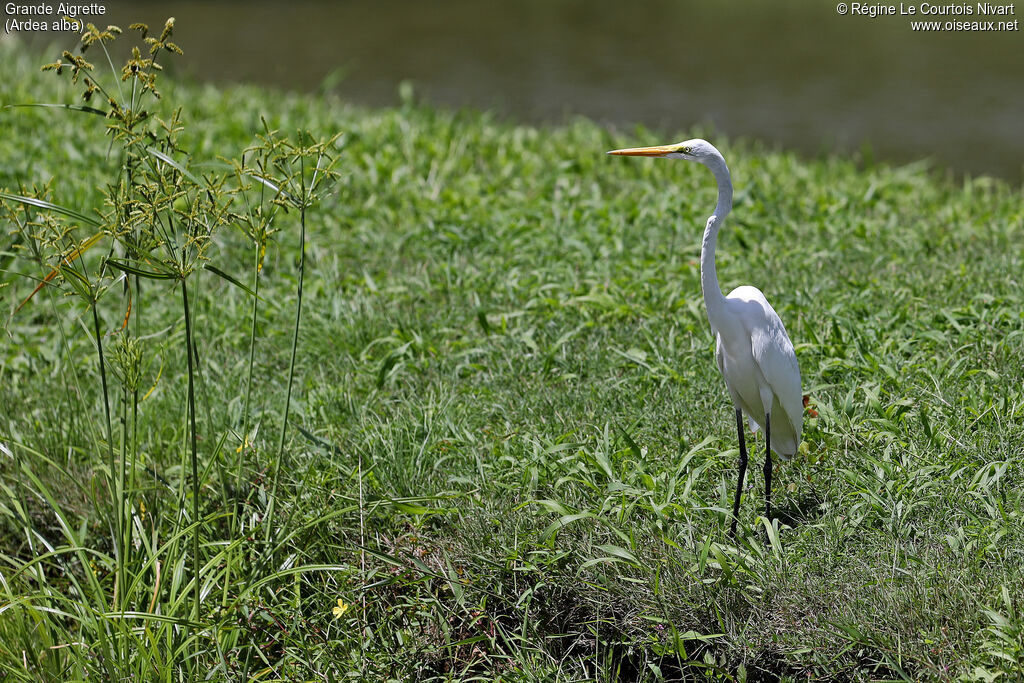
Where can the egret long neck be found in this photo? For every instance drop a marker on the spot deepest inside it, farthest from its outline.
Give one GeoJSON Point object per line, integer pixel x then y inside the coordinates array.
{"type": "Point", "coordinates": [714, 300]}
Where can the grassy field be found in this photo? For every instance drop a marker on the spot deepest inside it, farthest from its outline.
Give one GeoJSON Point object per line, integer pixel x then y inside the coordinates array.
{"type": "Point", "coordinates": [509, 453]}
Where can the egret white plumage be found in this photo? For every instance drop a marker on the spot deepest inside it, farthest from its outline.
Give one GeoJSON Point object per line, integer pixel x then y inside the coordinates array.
{"type": "Point", "coordinates": [753, 350]}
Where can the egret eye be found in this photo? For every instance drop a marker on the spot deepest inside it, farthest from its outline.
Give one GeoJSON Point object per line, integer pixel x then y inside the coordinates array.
{"type": "Point", "coordinates": [686, 150]}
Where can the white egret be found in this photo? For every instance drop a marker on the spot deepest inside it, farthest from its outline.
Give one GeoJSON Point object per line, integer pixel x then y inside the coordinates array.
{"type": "Point", "coordinates": [754, 353]}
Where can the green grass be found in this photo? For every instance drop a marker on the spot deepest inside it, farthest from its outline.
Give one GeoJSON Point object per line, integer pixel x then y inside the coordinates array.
{"type": "Point", "coordinates": [510, 452]}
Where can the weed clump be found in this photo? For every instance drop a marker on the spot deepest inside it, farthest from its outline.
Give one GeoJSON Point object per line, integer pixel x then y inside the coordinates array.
{"type": "Point", "coordinates": [157, 226]}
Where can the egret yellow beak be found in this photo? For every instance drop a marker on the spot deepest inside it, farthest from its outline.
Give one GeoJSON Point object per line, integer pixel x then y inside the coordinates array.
{"type": "Point", "coordinates": [659, 151]}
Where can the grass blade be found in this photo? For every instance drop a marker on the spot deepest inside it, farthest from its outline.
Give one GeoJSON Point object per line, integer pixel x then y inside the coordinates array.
{"type": "Point", "coordinates": [72, 107]}
{"type": "Point", "coordinates": [171, 162]}
{"type": "Point", "coordinates": [230, 278]}
{"type": "Point", "coordinates": [133, 270]}
{"type": "Point", "coordinates": [50, 206]}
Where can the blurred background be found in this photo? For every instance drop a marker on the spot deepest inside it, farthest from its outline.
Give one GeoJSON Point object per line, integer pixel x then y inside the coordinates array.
{"type": "Point", "coordinates": [794, 74]}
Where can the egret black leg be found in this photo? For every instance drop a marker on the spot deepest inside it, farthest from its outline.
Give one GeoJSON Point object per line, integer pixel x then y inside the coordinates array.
{"type": "Point", "coordinates": [768, 467]}
{"type": "Point", "coordinates": [743, 471]}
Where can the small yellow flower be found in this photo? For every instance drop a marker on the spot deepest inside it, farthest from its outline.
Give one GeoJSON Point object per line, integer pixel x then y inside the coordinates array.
{"type": "Point", "coordinates": [340, 609]}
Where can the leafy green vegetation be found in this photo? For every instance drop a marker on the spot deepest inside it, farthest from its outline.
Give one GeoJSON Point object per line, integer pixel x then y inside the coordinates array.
{"type": "Point", "coordinates": [509, 452]}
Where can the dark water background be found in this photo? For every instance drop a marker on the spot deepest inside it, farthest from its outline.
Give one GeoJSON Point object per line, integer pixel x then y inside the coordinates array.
{"type": "Point", "coordinates": [793, 73]}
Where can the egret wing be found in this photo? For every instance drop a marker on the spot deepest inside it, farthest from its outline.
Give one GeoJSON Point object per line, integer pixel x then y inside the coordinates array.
{"type": "Point", "coordinates": [775, 357]}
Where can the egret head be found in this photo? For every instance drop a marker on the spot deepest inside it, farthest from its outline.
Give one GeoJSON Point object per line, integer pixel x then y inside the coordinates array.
{"type": "Point", "coordinates": [691, 150]}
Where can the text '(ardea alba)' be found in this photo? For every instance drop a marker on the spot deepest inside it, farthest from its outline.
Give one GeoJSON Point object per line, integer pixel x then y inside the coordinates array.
{"type": "Point", "coordinates": [754, 353]}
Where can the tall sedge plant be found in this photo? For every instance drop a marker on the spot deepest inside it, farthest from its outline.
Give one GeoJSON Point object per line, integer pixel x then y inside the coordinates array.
{"type": "Point", "coordinates": [157, 223]}
{"type": "Point", "coordinates": [179, 216]}
{"type": "Point", "coordinates": [298, 173]}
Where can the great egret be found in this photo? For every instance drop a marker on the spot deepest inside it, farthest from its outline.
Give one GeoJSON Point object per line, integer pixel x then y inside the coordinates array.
{"type": "Point", "coordinates": [753, 351]}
